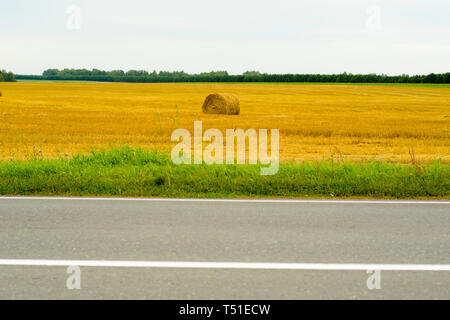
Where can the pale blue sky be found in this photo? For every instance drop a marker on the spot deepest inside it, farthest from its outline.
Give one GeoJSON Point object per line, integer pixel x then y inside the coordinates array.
{"type": "Point", "coordinates": [284, 36]}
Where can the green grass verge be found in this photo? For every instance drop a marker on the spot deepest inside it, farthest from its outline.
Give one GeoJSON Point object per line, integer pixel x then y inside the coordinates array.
{"type": "Point", "coordinates": [134, 172]}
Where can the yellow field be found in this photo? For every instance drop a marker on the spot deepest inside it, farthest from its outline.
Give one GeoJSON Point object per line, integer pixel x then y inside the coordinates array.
{"type": "Point", "coordinates": [315, 121]}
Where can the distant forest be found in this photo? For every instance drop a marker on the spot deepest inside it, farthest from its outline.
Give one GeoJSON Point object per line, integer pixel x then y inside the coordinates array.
{"type": "Point", "coordinates": [7, 76]}
{"type": "Point", "coordinates": [223, 76]}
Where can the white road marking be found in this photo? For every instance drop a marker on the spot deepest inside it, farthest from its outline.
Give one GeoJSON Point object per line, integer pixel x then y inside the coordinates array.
{"type": "Point", "coordinates": [236, 200]}
{"type": "Point", "coordinates": [225, 265]}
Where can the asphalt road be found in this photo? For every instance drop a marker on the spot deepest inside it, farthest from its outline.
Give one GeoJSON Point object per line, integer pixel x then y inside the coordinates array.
{"type": "Point", "coordinates": [330, 232]}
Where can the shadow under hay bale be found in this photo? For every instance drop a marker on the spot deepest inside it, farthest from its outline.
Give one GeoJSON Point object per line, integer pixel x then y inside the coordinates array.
{"type": "Point", "coordinates": [221, 103]}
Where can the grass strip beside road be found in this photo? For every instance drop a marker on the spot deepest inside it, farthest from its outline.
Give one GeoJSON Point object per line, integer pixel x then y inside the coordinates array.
{"type": "Point", "coordinates": [131, 172]}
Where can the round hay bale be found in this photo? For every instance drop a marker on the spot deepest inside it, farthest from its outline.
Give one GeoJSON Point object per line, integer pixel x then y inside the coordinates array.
{"type": "Point", "coordinates": [221, 103]}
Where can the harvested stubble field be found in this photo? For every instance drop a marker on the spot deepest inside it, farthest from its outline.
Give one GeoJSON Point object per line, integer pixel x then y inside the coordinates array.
{"type": "Point", "coordinates": [350, 122]}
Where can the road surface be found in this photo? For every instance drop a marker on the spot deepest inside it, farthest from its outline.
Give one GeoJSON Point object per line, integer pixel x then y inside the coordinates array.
{"type": "Point", "coordinates": [306, 249]}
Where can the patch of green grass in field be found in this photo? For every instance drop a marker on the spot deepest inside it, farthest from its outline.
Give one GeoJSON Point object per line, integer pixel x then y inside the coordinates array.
{"type": "Point", "coordinates": [136, 172]}
{"type": "Point", "coordinates": [59, 81]}
{"type": "Point", "coordinates": [422, 85]}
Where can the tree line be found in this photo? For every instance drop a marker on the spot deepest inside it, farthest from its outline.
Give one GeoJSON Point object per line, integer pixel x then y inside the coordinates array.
{"type": "Point", "coordinates": [7, 76]}
{"type": "Point", "coordinates": [223, 76]}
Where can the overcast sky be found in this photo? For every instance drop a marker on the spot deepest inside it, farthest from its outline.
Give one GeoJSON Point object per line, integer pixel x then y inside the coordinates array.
{"type": "Point", "coordinates": [283, 36]}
